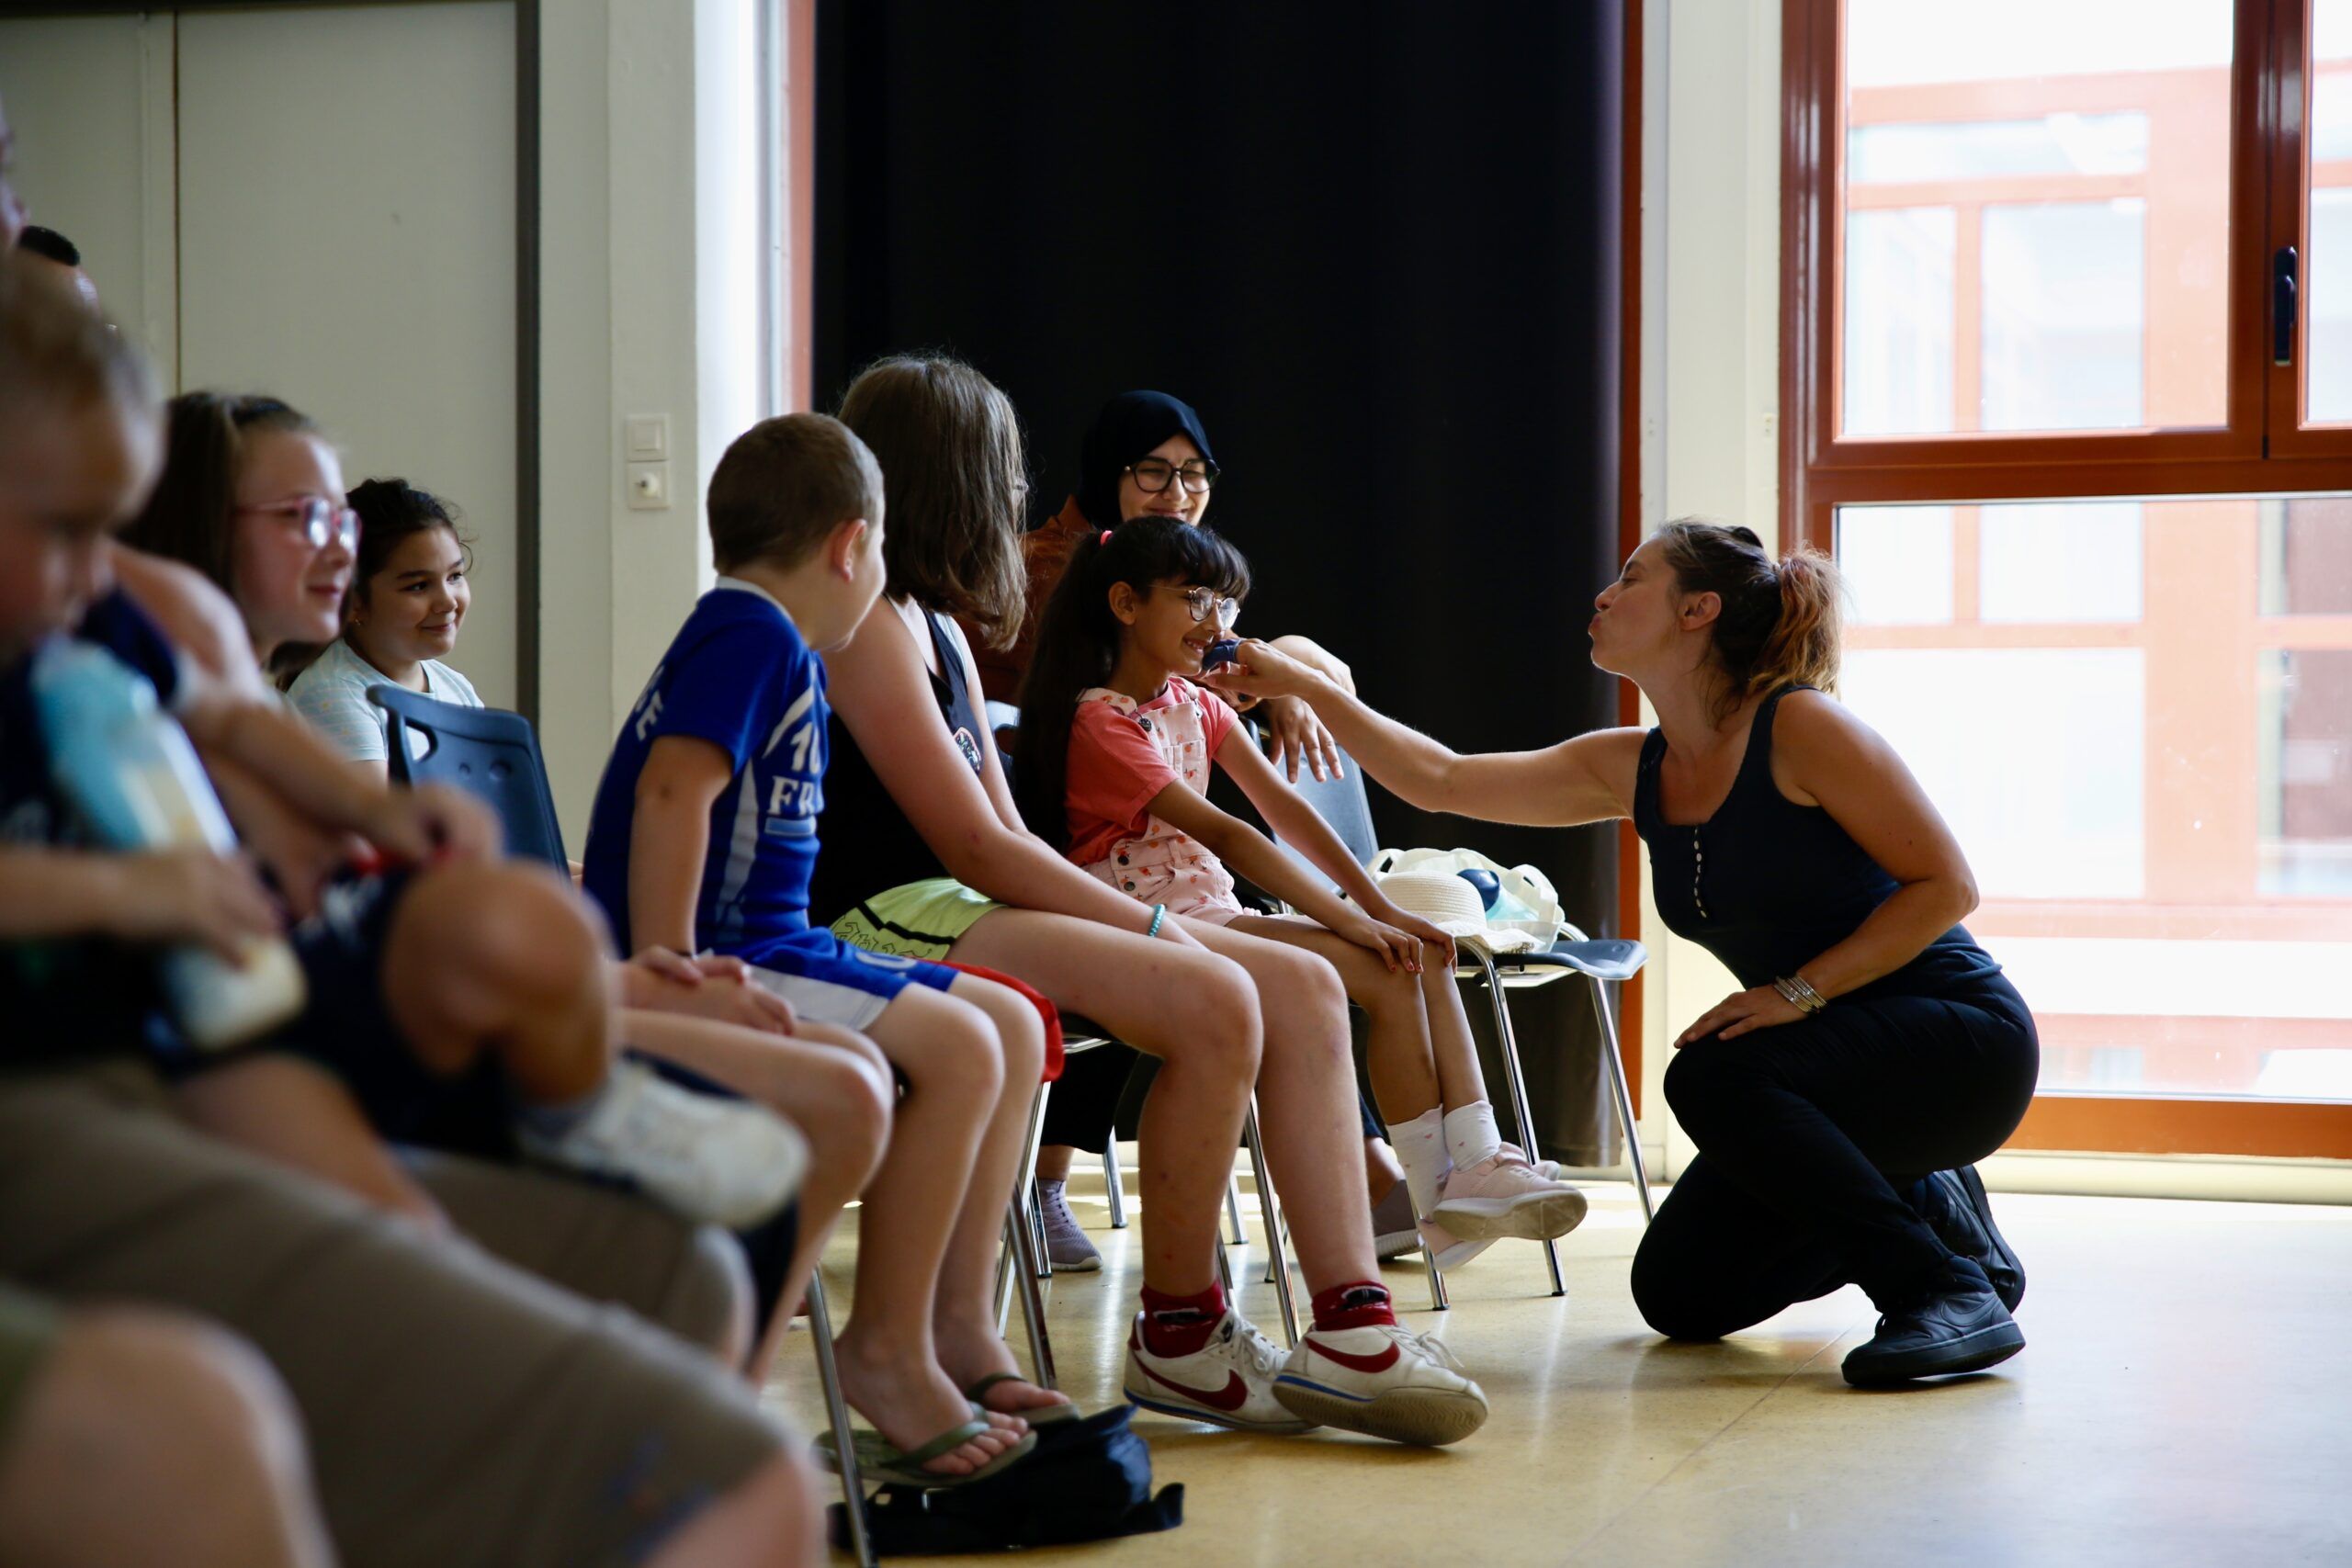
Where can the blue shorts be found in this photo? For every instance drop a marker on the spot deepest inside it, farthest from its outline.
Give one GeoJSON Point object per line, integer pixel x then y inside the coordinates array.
{"type": "Point", "coordinates": [832, 981]}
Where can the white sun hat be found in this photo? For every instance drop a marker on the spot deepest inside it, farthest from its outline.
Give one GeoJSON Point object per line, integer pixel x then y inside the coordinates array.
{"type": "Point", "coordinates": [1439, 897]}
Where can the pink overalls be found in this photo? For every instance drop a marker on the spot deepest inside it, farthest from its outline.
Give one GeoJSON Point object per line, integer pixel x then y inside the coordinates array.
{"type": "Point", "coordinates": [1162, 864]}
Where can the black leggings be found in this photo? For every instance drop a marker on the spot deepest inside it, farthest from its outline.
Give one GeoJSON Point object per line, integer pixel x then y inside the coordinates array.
{"type": "Point", "coordinates": [1084, 1104]}
{"type": "Point", "coordinates": [1805, 1134]}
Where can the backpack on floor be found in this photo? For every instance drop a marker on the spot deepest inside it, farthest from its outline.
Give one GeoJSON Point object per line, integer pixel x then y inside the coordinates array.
{"type": "Point", "coordinates": [1086, 1480]}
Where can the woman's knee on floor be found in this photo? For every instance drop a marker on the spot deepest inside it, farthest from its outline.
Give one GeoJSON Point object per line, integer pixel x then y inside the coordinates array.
{"type": "Point", "coordinates": [1669, 1291]}
{"type": "Point", "coordinates": [1708, 1079]}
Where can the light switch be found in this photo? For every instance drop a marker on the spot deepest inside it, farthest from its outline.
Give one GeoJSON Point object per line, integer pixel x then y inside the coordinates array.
{"type": "Point", "coordinates": [648, 436]}
{"type": "Point", "coordinates": [649, 487]}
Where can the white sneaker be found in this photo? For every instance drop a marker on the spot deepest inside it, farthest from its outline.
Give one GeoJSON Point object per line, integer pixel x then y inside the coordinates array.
{"type": "Point", "coordinates": [1503, 1196]}
{"type": "Point", "coordinates": [726, 1162]}
{"type": "Point", "coordinates": [1385, 1382]}
{"type": "Point", "coordinates": [1228, 1382]}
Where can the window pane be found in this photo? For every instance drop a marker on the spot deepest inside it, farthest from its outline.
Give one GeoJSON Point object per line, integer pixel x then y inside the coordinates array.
{"type": "Point", "coordinates": [1897, 562]}
{"type": "Point", "coordinates": [2306, 779]}
{"type": "Point", "coordinates": [2307, 557]}
{"type": "Point", "coordinates": [2064, 561]}
{"type": "Point", "coordinates": [2328, 270]}
{"type": "Point", "coordinates": [2137, 720]}
{"type": "Point", "coordinates": [2080, 149]}
{"type": "Point", "coordinates": [2055, 144]}
{"type": "Point", "coordinates": [1898, 321]}
{"type": "Point", "coordinates": [2063, 316]}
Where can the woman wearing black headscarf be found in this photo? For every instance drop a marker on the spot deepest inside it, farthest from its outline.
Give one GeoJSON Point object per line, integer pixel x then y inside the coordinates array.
{"type": "Point", "coordinates": [1147, 456]}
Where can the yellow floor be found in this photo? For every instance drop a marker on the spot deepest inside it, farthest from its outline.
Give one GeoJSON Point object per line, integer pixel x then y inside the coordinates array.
{"type": "Point", "coordinates": [2186, 1398]}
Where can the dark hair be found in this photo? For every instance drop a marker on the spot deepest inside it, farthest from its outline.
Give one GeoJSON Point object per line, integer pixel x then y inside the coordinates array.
{"type": "Point", "coordinates": [190, 516]}
{"type": "Point", "coordinates": [1124, 430]}
{"type": "Point", "coordinates": [1078, 641]}
{"type": "Point", "coordinates": [48, 243]}
{"type": "Point", "coordinates": [391, 510]}
{"type": "Point", "coordinates": [1779, 626]}
{"type": "Point", "coordinates": [56, 353]}
{"type": "Point", "coordinates": [783, 486]}
{"type": "Point", "coordinates": [950, 448]}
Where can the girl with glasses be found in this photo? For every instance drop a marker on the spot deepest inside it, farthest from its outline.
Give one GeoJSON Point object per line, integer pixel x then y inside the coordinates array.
{"type": "Point", "coordinates": [1118, 745]}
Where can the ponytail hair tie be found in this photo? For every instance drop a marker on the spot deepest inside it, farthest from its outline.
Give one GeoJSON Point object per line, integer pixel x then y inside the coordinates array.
{"type": "Point", "coordinates": [1105, 538]}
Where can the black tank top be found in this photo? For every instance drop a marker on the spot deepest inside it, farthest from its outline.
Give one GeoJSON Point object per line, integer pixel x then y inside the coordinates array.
{"type": "Point", "coordinates": [1768, 885]}
{"type": "Point", "coordinates": [870, 847]}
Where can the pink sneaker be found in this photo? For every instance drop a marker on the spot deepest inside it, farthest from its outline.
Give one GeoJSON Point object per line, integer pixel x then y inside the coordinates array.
{"type": "Point", "coordinates": [1449, 1250]}
{"type": "Point", "coordinates": [1502, 1196]}
{"type": "Point", "coordinates": [1549, 1170]}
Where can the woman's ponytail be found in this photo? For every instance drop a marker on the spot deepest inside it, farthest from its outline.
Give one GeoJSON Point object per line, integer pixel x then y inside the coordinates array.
{"type": "Point", "coordinates": [1779, 626]}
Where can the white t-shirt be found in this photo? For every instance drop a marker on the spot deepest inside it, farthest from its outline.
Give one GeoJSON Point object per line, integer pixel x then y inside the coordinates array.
{"type": "Point", "coordinates": [333, 695]}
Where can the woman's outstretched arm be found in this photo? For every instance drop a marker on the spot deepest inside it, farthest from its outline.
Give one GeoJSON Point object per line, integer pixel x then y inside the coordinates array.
{"type": "Point", "coordinates": [1586, 779]}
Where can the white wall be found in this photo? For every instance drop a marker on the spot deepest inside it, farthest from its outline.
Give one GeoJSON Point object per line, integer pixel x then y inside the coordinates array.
{"type": "Point", "coordinates": [649, 305]}
{"type": "Point", "coordinates": [1711, 195]}
{"type": "Point", "coordinates": [317, 202]}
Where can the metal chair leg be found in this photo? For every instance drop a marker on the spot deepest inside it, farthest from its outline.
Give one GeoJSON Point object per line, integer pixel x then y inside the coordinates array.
{"type": "Point", "coordinates": [1114, 1186]}
{"type": "Point", "coordinates": [1615, 1057]}
{"type": "Point", "coordinates": [1270, 1211]}
{"type": "Point", "coordinates": [1240, 1237]}
{"type": "Point", "coordinates": [1025, 1206]}
{"type": "Point", "coordinates": [1033, 1301]}
{"type": "Point", "coordinates": [1224, 1268]}
{"type": "Point", "coordinates": [820, 1331]}
{"type": "Point", "coordinates": [1509, 1041]}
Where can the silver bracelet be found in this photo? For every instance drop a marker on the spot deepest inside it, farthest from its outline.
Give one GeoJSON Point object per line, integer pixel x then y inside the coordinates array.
{"type": "Point", "coordinates": [1800, 995]}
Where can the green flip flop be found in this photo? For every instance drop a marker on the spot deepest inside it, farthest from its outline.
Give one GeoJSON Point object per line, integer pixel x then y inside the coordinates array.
{"type": "Point", "coordinates": [879, 1459]}
{"type": "Point", "coordinates": [1041, 1416]}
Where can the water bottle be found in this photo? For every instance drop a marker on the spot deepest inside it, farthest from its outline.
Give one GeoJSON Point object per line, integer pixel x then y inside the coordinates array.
{"type": "Point", "coordinates": [129, 768]}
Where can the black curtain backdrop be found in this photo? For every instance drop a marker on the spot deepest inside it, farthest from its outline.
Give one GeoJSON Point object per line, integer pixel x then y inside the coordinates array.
{"type": "Point", "coordinates": [1377, 247]}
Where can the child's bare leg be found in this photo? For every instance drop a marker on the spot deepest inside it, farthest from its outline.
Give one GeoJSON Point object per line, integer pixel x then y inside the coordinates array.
{"type": "Point", "coordinates": [498, 958]}
{"type": "Point", "coordinates": [838, 1096]}
{"type": "Point", "coordinates": [1459, 1078]}
{"type": "Point", "coordinates": [1306, 1104]}
{"type": "Point", "coordinates": [969, 1346]}
{"type": "Point", "coordinates": [889, 1354]}
{"type": "Point", "coordinates": [1396, 1045]}
{"type": "Point", "coordinates": [1194, 1011]}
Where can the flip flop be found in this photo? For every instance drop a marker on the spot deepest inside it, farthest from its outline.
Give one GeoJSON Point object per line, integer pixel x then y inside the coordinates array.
{"type": "Point", "coordinates": [879, 1459]}
{"type": "Point", "coordinates": [1038, 1416]}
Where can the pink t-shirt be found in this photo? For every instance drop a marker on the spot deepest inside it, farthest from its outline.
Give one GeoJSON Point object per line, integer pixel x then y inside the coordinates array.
{"type": "Point", "coordinates": [1117, 764]}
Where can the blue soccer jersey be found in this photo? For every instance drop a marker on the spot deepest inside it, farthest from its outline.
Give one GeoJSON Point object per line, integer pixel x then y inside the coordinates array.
{"type": "Point", "coordinates": [740, 676]}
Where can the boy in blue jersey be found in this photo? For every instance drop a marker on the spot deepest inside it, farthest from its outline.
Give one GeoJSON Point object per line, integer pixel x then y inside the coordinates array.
{"type": "Point", "coordinates": [704, 835]}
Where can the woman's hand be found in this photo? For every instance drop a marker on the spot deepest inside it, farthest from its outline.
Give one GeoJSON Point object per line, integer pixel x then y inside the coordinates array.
{"type": "Point", "coordinates": [1294, 735]}
{"type": "Point", "coordinates": [1259, 670]}
{"type": "Point", "coordinates": [1396, 949]}
{"type": "Point", "coordinates": [1758, 1008]}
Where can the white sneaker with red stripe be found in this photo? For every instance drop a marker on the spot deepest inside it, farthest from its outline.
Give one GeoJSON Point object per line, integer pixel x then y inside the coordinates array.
{"type": "Point", "coordinates": [1230, 1382]}
{"type": "Point", "coordinates": [1383, 1381]}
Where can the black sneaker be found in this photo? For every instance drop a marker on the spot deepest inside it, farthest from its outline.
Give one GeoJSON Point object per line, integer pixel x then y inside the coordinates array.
{"type": "Point", "coordinates": [1957, 1210]}
{"type": "Point", "coordinates": [1960, 1327]}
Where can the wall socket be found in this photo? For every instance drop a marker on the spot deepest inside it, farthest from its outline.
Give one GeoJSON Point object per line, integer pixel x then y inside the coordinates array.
{"type": "Point", "coordinates": [649, 487]}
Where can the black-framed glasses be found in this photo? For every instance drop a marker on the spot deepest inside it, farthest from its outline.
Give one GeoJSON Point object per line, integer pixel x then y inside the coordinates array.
{"type": "Point", "coordinates": [1202, 602]}
{"type": "Point", "coordinates": [1152, 475]}
{"type": "Point", "coordinates": [319, 520]}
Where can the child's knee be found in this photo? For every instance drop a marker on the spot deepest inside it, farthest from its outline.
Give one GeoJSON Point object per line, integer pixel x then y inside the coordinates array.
{"type": "Point", "coordinates": [1021, 1032]}
{"type": "Point", "coordinates": [953, 1050]}
{"type": "Point", "coordinates": [1227, 1024]}
{"type": "Point", "coordinates": [513, 930]}
{"type": "Point", "coordinates": [857, 1124]}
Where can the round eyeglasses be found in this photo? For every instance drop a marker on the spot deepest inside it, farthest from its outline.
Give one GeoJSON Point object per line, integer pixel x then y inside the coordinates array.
{"type": "Point", "coordinates": [1202, 602]}
{"type": "Point", "coordinates": [1152, 475]}
{"type": "Point", "coordinates": [319, 520]}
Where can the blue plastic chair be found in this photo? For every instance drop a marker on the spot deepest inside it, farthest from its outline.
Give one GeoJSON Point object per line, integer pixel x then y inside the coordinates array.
{"type": "Point", "coordinates": [1344, 803]}
{"type": "Point", "coordinates": [487, 753]}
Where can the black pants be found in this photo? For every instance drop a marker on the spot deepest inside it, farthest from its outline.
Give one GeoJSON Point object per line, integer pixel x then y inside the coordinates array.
{"type": "Point", "coordinates": [1805, 1133]}
{"type": "Point", "coordinates": [1084, 1105]}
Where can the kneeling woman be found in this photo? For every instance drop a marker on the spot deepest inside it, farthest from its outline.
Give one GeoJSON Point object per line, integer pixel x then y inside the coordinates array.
{"type": "Point", "coordinates": [1839, 1101]}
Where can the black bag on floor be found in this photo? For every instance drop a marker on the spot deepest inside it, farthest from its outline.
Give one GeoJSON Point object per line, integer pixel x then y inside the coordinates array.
{"type": "Point", "coordinates": [1086, 1480]}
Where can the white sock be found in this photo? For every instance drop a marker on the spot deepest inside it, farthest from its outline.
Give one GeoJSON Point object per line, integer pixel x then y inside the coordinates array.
{"type": "Point", "coordinates": [1420, 1149]}
{"type": "Point", "coordinates": [1471, 1134]}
